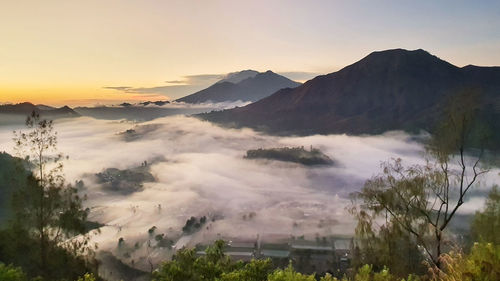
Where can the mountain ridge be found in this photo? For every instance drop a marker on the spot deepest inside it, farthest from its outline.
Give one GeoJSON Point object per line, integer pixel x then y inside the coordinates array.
{"type": "Point", "coordinates": [386, 90]}
{"type": "Point", "coordinates": [251, 88]}
{"type": "Point", "coordinates": [25, 108]}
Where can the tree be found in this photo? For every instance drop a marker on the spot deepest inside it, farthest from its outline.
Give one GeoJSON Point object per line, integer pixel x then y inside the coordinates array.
{"type": "Point", "coordinates": [255, 270]}
{"type": "Point", "coordinates": [214, 265]}
{"type": "Point", "coordinates": [486, 224]}
{"type": "Point", "coordinates": [45, 208]}
{"type": "Point", "coordinates": [422, 200]}
{"type": "Point", "coordinates": [390, 245]}
{"type": "Point", "coordinates": [289, 274]}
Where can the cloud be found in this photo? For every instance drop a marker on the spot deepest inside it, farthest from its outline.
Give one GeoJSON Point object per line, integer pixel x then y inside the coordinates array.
{"type": "Point", "coordinates": [203, 77]}
{"type": "Point", "coordinates": [187, 85]}
{"type": "Point", "coordinates": [118, 88]}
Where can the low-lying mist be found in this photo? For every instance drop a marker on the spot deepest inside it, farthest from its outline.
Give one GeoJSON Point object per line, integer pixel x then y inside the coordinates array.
{"type": "Point", "coordinates": [199, 170]}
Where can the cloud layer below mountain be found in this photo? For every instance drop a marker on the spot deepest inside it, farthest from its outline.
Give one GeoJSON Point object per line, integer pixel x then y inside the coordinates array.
{"type": "Point", "coordinates": [203, 173]}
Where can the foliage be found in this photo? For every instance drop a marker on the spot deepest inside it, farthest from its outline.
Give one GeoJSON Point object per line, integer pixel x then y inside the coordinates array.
{"type": "Point", "coordinates": [10, 273]}
{"type": "Point", "coordinates": [289, 274]}
{"type": "Point", "coordinates": [391, 246]}
{"type": "Point", "coordinates": [13, 175]}
{"type": "Point", "coordinates": [187, 266]}
{"type": "Point", "coordinates": [255, 270]}
{"type": "Point", "coordinates": [294, 154]}
{"type": "Point", "coordinates": [87, 277]}
{"type": "Point", "coordinates": [364, 273]}
{"type": "Point", "coordinates": [125, 181]}
{"type": "Point", "coordinates": [482, 264]}
{"type": "Point", "coordinates": [486, 224]}
{"type": "Point", "coordinates": [46, 212]}
{"type": "Point", "coordinates": [418, 202]}
{"type": "Point", "coordinates": [214, 265]}
{"type": "Point", "coordinates": [194, 224]}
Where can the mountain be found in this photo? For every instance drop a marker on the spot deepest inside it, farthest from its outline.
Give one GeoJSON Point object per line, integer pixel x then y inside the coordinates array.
{"type": "Point", "coordinates": [15, 113]}
{"type": "Point", "coordinates": [247, 85]}
{"type": "Point", "coordinates": [388, 90]}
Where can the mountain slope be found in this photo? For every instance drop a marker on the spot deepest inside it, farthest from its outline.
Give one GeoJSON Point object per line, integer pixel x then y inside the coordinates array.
{"type": "Point", "coordinates": [253, 88]}
{"type": "Point", "coordinates": [387, 90]}
{"type": "Point", "coordinates": [12, 177]}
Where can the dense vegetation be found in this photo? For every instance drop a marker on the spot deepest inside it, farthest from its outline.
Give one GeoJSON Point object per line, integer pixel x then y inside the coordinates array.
{"type": "Point", "coordinates": [125, 181]}
{"type": "Point", "coordinates": [45, 212]}
{"type": "Point", "coordinates": [12, 176]}
{"type": "Point", "coordinates": [483, 263]}
{"type": "Point", "coordinates": [294, 154]}
{"type": "Point", "coordinates": [194, 224]}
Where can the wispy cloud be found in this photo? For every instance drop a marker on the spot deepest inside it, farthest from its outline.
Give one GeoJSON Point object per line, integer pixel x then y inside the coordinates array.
{"type": "Point", "coordinates": [203, 77]}
{"type": "Point", "coordinates": [174, 88]}
{"type": "Point", "coordinates": [118, 88]}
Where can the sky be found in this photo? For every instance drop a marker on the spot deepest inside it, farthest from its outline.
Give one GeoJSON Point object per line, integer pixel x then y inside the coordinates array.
{"type": "Point", "coordinates": [97, 52]}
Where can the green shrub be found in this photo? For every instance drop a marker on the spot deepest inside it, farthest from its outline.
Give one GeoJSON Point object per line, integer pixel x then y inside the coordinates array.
{"type": "Point", "coordinates": [289, 274]}
{"type": "Point", "coordinates": [11, 273]}
{"type": "Point", "coordinates": [482, 264]}
{"type": "Point", "coordinates": [87, 277]}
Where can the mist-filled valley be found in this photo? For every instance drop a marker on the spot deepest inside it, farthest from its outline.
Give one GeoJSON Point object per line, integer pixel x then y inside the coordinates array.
{"type": "Point", "coordinates": [197, 169]}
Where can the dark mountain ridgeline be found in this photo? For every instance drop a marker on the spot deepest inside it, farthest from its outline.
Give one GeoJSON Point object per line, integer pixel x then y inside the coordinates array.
{"type": "Point", "coordinates": [387, 90]}
{"type": "Point", "coordinates": [17, 113]}
{"type": "Point", "coordinates": [253, 88]}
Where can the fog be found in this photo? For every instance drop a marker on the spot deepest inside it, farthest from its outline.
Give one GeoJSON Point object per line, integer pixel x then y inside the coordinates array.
{"type": "Point", "coordinates": [147, 111]}
{"type": "Point", "coordinates": [200, 171]}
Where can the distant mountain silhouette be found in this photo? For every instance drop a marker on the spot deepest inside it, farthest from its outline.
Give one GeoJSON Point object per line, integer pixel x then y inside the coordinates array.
{"type": "Point", "coordinates": [388, 90]}
{"type": "Point", "coordinates": [27, 108]}
{"type": "Point", "coordinates": [247, 85]}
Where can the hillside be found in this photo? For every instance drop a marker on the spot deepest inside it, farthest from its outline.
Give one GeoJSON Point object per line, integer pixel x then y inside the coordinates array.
{"type": "Point", "coordinates": [388, 90]}
{"type": "Point", "coordinates": [247, 86]}
{"type": "Point", "coordinates": [12, 176]}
